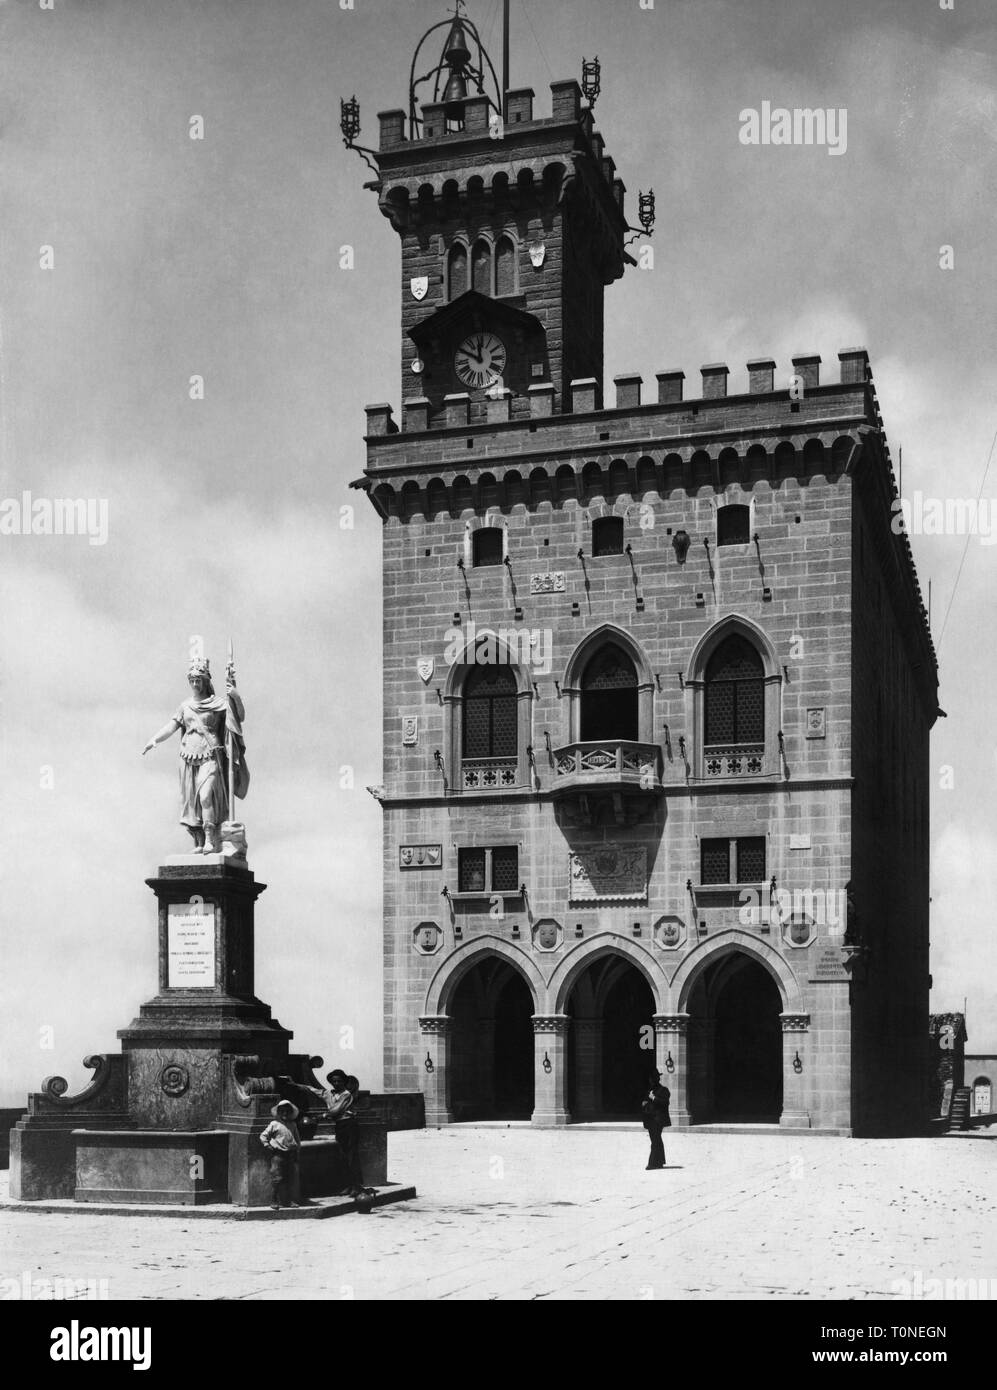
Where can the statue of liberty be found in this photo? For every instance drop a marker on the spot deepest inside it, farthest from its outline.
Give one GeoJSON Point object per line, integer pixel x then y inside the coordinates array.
{"type": "Point", "coordinates": [212, 754]}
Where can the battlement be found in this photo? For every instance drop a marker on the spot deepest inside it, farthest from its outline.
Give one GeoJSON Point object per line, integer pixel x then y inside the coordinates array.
{"type": "Point", "coordinates": [634, 449]}
{"type": "Point", "coordinates": [529, 140]}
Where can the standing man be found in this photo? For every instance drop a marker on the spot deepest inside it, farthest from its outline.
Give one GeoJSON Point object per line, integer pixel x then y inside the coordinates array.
{"type": "Point", "coordinates": [656, 1118]}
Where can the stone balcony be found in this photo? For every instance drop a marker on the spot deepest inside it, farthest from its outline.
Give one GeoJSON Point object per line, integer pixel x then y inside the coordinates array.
{"type": "Point", "coordinates": [607, 765]}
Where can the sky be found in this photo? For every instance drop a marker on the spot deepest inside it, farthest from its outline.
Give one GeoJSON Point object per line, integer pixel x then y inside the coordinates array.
{"type": "Point", "coordinates": [221, 258]}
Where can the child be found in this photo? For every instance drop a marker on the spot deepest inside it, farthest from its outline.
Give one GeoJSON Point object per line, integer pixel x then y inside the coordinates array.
{"type": "Point", "coordinates": [281, 1139]}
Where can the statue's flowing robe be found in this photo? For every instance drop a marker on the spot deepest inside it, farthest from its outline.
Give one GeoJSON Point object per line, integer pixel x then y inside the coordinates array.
{"type": "Point", "coordinates": [204, 760]}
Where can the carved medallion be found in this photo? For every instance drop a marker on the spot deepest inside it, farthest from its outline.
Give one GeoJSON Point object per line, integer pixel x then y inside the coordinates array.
{"type": "Point", "coordinates": [174, 1079]}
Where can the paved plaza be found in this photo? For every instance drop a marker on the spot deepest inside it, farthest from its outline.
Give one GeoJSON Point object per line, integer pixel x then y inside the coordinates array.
{"type": "Point", "coordinates": [516, 1213]}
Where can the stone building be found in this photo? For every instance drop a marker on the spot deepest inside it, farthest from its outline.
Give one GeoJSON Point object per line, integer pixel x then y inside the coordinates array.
{"type": "Point", "coordinates": [658, 679]}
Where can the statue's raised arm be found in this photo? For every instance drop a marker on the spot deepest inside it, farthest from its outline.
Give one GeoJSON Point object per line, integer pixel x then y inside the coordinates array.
{"type": "Point", "coordinates": [212, 755]}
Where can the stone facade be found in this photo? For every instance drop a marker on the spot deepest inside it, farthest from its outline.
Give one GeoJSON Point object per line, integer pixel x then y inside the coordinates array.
{"type": "Point", "coordinates": [603, 928]}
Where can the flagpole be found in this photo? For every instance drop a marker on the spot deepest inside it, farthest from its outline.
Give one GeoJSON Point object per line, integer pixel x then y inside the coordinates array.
{"type": "Point", "coordinates": [230, 741]}
{"type": "Point", "coordinates": [505, 59]}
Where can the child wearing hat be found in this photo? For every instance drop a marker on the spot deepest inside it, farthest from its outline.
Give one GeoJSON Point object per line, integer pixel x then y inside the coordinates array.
{"type": "Point", "coordinates": [282, 1141]}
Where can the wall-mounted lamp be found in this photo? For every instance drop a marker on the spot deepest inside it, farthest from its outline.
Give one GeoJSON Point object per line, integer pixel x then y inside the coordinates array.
{"type": "Point", "coordinates": [428, 1063]}
{"type": "Point", "coordinates": [591, 79]}
{"type": "Point", "coordinates": [797, 1063]}
{"type": "Point", "coordinates": [681, 680]}
{"type": "Point", "coordinates": [445, 893]}
{"type": "Point", "coordinates": [645, 204]}
{"type": "Point", "coordinates": [547, 1064]}
{"type": "Point", "coordinates": [460, 562]}
{"type": "Point", "coordinates": [657, 677]}
{"type": "Point", "coordinates": [557, 687]}
{"type": "Point", "coordinates": [782, 744]}
{"type": "Point", "coordinates": [669, 1063]}
{"type": "Point", "coordinates": [681, 542]}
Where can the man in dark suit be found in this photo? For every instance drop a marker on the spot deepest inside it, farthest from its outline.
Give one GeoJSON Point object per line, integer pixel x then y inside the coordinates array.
{"type": "Point", "coordinates": [656, 1118]}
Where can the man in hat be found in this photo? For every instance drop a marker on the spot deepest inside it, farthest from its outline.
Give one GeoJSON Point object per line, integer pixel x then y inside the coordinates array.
{"type": "Point", "coordinates": [282, 1141]}
{"type": "Point", "coordinates": [656, 1118]}
{"type": "Point", "coordinates": [341, 1103]}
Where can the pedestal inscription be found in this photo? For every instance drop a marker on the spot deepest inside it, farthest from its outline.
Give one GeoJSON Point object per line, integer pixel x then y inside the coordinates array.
{"type": "Point", "coordinates": [191, 946]}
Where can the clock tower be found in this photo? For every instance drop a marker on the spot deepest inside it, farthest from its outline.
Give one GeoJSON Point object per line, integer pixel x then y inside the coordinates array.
{"type": "Point", "coordinates": [511, 226]}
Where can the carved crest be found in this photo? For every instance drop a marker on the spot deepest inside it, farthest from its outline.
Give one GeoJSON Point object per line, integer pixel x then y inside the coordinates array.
{"type": "Point", "coordinates": [420, 287]}
{"type": "Point", "coordinates": [425, 666]}
{"type": "Point", "coordinates": [538, 253]}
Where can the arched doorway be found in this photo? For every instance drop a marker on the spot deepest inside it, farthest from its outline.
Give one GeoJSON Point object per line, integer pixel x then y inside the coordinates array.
{"type": "Point", "coordinates": [735, 1043]}
{"type": "Point", "coordinates": [982, 1096]}
{"type": "Point", "coordinates": [609, 696]}
{"type": "Point", "coordinates": [491, 1044]}
{"type": "Point", "coordinates": [611, 1040]}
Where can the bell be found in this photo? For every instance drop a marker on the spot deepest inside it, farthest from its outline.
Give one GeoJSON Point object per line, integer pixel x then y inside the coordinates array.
{"type": "Point", "coordinates": [455, 91]}
{"type": "Point", "coordinates": [457, 55]}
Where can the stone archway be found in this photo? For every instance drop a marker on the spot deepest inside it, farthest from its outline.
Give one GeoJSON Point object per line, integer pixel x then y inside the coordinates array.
{"type": "Point", "coordinates": [478, 1034]}
{"type": "Point", "coordinates": [608, 989]}
{"type": "Point", "coordinates": [740, 1036]}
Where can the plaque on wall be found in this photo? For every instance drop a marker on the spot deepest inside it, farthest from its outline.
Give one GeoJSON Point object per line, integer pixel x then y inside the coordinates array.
{"type": "Point", "coordinates": [552, 583]}
{"type": "Point", "coordinates": [410, 730]}
{"type": "Point", "coordinates": [829, 965]}
{"type": "Point", "coordinates": [420, 856]}
{"type": "Point", "coordinates": [816, 723]}
{"type": "Point", "coordinates": [608, 873]}
{"type": "Point", "coordinates": [190, 945]}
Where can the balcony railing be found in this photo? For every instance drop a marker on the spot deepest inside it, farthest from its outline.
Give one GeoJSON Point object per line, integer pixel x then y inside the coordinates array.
{"type": "Point", "coordinates": [739, 760]}
{"type": "Point", "coordinates": [608, 763]}
{"type": "Point", "coordinates": [487, 774]}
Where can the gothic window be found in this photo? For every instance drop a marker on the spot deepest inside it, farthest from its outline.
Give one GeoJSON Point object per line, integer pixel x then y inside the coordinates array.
{"type": "Point", "coordinates": [750, 855]}
{"type": "Point", "coordinates": [607, 536]}
{"type": "Point", "coordinates": [609, 697]}
{"type": "Point", "coordinates": [481, 268]}
{"type": "Point", "coordinates": [733, 524]}
{"type": "Point", "coordinates": [493, 870]}
{"type": "Point", "coordinates": [490, 713]}
{"type": "Point", "coordinates": [735, 695]}
{"type": "Point", "coordinates": [726, 860]}
{"type": "Point", "coordinates": [457, 271]}
{"type": "Point", "coordinates": [505, 267]}
{"type": "Point", "coordinates": [486, 546]}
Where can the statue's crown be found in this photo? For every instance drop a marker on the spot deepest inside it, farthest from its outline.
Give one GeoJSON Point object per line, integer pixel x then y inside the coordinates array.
{"type": "Point", "coordinates": [200, 666]}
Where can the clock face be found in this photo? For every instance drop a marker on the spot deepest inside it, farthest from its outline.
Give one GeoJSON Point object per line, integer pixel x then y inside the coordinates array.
{"type": "Point", "coordinates": [480, 359]}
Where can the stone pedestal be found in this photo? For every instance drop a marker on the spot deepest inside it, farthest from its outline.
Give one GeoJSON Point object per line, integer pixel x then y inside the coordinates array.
{"type": "Point", "coordinates": [176, 1118]}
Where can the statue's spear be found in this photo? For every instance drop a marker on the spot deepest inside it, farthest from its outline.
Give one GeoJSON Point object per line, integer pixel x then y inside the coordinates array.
{"type": "Point", "coordinates": [230, 739]}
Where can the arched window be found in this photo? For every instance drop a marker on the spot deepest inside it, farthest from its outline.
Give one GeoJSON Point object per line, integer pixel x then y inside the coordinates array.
{"type": "Point", "coordinates": [486, 546]}
{"type": "Point", "coordinates": [734, 524]}
{"type": "Point", "coordinates": [457, 271]}
{"type": "Point", "coordinates": [481, 268]}
{"type": "Point", "coordinates": [735, 695]}
{"type": "Point", "coordinates": [490, 721]}
{"type": "Point", "coordinates": [609, 697]}
{"type": "Point", "coordinates": [505, 267]}
{"type": "Point", "coordinates": [607, 536]}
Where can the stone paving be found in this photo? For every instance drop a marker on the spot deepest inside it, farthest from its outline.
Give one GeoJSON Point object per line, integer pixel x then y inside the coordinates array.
{"type": "Point", "coordinates": [515, 1213]}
